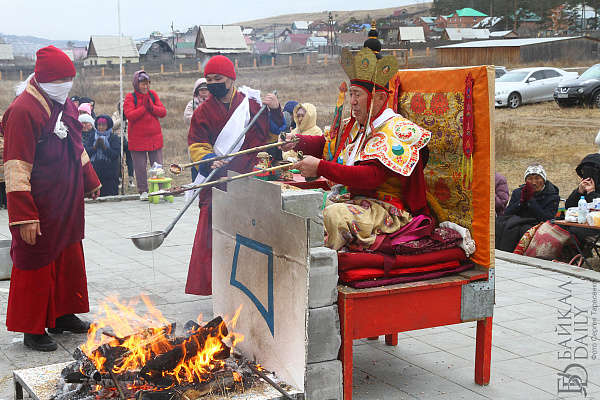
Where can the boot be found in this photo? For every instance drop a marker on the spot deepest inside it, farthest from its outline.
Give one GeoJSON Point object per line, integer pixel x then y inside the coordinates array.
{"type": "Point", "coordinates": [70, 322]}
{"type": "Point", "coordinates": [39, 342]}
{"type": "Point", "coordinates": [131, 184]}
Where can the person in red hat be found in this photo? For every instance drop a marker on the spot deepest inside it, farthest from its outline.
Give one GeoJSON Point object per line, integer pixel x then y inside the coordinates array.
{"type": "Point", "coordinates": [47, 175]}
{"type": "Point", "coordinates": [215, 126]}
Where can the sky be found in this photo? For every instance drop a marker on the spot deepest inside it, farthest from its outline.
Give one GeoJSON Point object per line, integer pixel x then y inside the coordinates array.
{"type": "Point", "coordinates": [78, 20]}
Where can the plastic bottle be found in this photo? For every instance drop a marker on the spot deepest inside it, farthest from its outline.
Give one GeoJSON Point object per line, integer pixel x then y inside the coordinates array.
{"type": "Point", "coordinates": [582, 208]}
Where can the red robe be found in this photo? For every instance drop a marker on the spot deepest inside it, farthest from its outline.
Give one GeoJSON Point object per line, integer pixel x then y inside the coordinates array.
{"type": "Point", "coordinates": [46, 179]}
{"type": "Point", "coordinates": [207, 122]}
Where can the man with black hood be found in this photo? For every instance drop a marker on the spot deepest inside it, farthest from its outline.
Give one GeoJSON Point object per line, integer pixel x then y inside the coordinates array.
{"type": "Point", "coordinates": [589, 171]}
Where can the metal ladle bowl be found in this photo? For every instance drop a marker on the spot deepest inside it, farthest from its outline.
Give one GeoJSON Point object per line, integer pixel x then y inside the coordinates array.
{"type": "Point", "coordinates": [148, 241]}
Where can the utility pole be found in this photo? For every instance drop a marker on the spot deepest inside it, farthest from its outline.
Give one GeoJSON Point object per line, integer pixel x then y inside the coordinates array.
{"type": "Point", "coordinates": [173, 39]}
{"type": "Point", "coordinates": [515, 21]}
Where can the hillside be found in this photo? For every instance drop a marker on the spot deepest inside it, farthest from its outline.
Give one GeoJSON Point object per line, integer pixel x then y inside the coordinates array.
{"type": "Point", "coordinates": [340, 16]}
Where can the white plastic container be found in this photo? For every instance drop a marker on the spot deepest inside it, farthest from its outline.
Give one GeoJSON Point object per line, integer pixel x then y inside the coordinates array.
{"type": "Point", "coordinates": [582, 208]}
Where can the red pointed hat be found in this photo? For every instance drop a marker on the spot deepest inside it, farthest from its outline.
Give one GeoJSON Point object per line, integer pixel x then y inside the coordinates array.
{"type": "Point", "coordinates": [220, 65]}
{"type": "Point", "coordinates": [51, 64]}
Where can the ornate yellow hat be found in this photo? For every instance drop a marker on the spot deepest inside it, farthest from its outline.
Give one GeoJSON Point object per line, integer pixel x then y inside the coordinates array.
{"type": "Point", "coordinates": [366, 70]}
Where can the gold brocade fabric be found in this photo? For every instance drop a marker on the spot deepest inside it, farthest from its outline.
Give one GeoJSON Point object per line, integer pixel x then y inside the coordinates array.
{"type": "Point", "coordinates": [360, 220]}
{"type": "Point", "coordinates": [441, 114]}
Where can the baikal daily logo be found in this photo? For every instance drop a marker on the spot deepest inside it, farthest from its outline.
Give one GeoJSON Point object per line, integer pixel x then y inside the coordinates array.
{"type": "Point", "coordinates": [577, 330]}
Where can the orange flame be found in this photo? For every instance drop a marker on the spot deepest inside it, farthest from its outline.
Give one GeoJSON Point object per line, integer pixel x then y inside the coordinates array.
{"type": "Point", "coordinates": [141, 339]}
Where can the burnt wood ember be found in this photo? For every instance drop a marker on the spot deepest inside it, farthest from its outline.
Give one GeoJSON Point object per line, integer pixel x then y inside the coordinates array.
{"type": "Point", "coordinates": [184, 351]}
{"type": "Point", "coordinates": [219, 382]}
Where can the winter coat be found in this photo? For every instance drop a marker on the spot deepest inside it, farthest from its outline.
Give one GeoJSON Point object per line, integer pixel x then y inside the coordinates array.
{"type": "Point", "coordinates": [108, 167]}
{"type": "Point", "coordinates": [573, 199]}
{"type": "Point", "coordinates": [502, 194]}
{"type": "Point", "coordinates": [543, 206]}
{"type": "Point", "coordinates": [192, 104]}
{"type": "Point", "coordinates": [307, 127]}
{"type": "Point", "coordinates": [143, 128]}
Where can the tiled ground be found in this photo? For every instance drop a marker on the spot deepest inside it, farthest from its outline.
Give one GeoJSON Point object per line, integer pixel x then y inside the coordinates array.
{"type": "Point", "coordinates": [433, 363]}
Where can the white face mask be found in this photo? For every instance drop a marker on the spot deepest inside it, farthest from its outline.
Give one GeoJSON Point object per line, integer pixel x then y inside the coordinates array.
{"type": "Point", "coordinates": [57, 91]}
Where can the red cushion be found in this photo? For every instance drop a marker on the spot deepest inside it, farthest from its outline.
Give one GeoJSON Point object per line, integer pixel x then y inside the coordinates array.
{"type": "Point", "coordinates": [348, 261]}
{"type": "Point", "coordinates": [358, 274]}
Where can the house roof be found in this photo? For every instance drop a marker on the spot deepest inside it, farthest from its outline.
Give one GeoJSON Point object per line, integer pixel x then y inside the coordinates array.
{"type": "Point", "coordinates": [428, 20]}
{"type": "Point", "coordinates": [499, 34]}
{"type": "Point", "coordinates": [487, 22]}
{"type": "Point", "coordinates": [301, 24]}
{"type": "Point", "coordinates": [299, 38]}
{"type": "Point", "coordinates": [263, 47]}
{"type": "Point", "coordinates": [108, 46]}
{"type": "Point", "coordinates": [316, 41]}
{"type": "Point", "coordinates": [513, 42]}
{"type": "Point", "coordinates": [469, 12]}
{"type": "Point", "coordinates": [147, 45]}
{"type": "Point", "coordinates": [185, 48]}
{"type": "Point", "coordinates": [412, 34]}
{"type": "Point", "coordinates": [221, 37]}
{"type": "Point", "coordinates": [286, 48]}
{"type": "Point", "coordinates": [467, 33]}
{"type": "Point", "coordinates": [247, 31]}
{"type": "Point", "coordinates": [6, 51]}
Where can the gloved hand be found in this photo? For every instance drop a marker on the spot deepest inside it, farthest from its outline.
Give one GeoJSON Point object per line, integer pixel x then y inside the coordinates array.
{"type": "Point", "coordinates": [148, 104]}
{"type": "Point", "coordinates": [99, 143]}
{"type": "Point", "coordinates": [526, 193]}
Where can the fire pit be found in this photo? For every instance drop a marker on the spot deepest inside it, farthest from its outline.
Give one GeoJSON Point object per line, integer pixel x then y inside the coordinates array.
{"type": "Point", "coordinates": [131, 357]}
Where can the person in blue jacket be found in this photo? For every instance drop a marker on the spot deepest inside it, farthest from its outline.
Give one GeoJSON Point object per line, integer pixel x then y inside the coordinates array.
{"type": "Point", "coordinates": [104, 149]}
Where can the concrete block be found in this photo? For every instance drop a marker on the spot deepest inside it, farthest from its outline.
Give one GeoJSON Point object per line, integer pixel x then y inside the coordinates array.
{"type": "Point", "coordinates": [324, 381]}
{"type": "Point", "coordinates": [307, 203]}
{"type": "Point", "coordinates": [323, 277]}
{"type": "Point", "coordinates": [324, 339]}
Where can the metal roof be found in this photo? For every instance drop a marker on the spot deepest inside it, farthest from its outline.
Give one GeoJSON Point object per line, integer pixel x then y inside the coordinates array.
{"type": "Point", "coordinates": [301, 24]}
{"type": "Point", "coordinates": [6, 51]}
{"type": "Point", "coordinates": [108, 46]}
{"type": "Point", "coordinates": [147, 45]}
{"type": "Point", "coordinates": [469, 12]}
{"type": "Point", "coordinates": [223, 37]}
{"type": "Point", "coordinates": [467, 33]}
{"type": "Point", "coordinates": [413, 34]}
{"type": "Point", "coordinates": [511, 42]}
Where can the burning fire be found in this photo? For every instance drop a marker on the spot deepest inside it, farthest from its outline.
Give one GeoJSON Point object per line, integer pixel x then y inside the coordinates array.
{"type": "Point", "coordinates": [121, 341]}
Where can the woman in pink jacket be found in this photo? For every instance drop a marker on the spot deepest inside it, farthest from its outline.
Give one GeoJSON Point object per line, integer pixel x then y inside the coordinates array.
{"type": "Point", "coordinates": [142, 109]}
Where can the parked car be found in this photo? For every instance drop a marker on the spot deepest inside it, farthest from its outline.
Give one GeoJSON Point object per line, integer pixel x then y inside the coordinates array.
{"type": "Point", "coordinates": [529, 85]}
{"type": "Point", "coordinates": [584, 90]}
{"type": "Point", "coordinates": [500, 71]}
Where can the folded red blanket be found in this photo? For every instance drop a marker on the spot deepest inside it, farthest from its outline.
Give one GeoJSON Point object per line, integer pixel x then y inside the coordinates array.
{"type": "Point", "coordinates": [348, 261]}
{"type": "Point", "coordinates": [406, 279]}
{"type": "Point", "coordinates": [370, 273]}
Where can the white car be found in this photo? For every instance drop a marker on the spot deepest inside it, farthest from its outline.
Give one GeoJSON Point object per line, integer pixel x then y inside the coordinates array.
{"type": "Point", "coordinates": [529, 85]}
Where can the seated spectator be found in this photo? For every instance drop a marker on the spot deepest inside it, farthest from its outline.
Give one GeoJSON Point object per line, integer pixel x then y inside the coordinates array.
{"type": "Point", "coordinates": [305, 117]}
{"type": "Point", "coordinates": [104, 149]}
{"type": "Point", "coordinates": [533, 202]}
{"type": "Point", "coordinates": [502, 194]}
{"type": "Point", "coordinates": [587, 169]}
{"type": "Point", "coordinates": [88, 127]}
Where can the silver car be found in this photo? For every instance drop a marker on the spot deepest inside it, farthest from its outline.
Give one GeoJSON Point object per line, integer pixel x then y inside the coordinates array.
{"type": "Point", "coordinates": [529, 85]}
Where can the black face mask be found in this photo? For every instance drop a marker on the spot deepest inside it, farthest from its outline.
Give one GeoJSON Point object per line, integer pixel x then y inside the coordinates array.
{"type": "Point", "coordinates": [219, 90]}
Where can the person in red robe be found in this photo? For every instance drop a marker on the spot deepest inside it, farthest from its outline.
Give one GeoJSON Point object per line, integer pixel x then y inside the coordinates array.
{"type": "Point", "coordinates": [47, 174]}
{"type": "Point", "coordinates": [211, 130]}
{"type": "Point", "coordinates": [376, 161]}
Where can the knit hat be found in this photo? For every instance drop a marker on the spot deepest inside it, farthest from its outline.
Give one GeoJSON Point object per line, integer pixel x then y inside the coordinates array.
{"type": "Point", "coordinates": [85, 107]}
{"type": "Point", "coordinates": [536, 169]}
{"type": "Point", "coordinates": [52, 64]}
{"type": "Point", "coordinates": [86, 118]}
{"type": "Point", "coordinates": [220, 65]}
{"type": "Point", "coordinates": [104, 119]}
